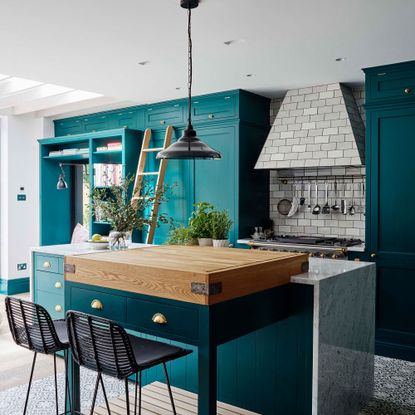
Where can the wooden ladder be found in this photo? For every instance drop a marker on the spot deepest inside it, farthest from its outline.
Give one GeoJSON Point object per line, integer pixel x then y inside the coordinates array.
{"type": "Point", "coordinates": [145, 150]}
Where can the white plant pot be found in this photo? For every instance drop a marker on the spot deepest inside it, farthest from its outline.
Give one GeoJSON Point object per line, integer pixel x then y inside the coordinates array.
{"type": "Point", "coordinates": [205, 241]}
{"type": "Point", "coordinates": [221, 243]}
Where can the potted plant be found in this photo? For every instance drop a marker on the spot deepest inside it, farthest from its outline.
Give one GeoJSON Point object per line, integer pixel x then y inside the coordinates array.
{"type": "Point", "coordinates": [220, 224]}
{"type": "Point", "coordinates": [114, 204]}
{"type": "Point", "coordinates": [200, 224]}
{"type": "Point", "coordinates": [181, 235]}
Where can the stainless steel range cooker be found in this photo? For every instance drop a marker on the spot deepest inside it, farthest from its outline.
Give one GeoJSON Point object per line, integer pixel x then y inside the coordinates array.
{"type": "Point", "coordinates": [316, 246]}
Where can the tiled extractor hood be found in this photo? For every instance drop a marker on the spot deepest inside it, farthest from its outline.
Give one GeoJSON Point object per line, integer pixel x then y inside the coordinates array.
{"type": "Point", "coordinates": [315, 127]}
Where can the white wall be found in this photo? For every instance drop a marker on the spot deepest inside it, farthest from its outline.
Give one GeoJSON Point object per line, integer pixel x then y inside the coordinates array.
{"type": "Point", "coordinates": [19, 154]}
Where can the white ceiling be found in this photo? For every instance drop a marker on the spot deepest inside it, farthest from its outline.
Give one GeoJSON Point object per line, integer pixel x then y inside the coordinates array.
{"type": "Point", "coordinates": [96, 45]}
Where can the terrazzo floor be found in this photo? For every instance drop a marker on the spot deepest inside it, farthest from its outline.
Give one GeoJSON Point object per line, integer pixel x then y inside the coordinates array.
{"type": "Point", "coordinates": [394, 391]}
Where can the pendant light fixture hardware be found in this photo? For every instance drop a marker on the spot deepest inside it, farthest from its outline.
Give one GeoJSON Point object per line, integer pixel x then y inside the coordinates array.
{"type": "Point", "coordinates": [61, 185]}
{"type": "Point", "coordinates": [189, 146]}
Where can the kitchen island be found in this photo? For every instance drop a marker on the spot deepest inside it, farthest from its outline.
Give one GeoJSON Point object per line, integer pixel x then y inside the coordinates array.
{"type": "Point", "coordinates": [300, 342]}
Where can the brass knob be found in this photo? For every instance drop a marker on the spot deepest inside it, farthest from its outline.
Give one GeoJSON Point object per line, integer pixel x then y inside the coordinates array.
{"type": "Point", "coordinates": [373, 255]}
{"type": "Point", "coordinates": [97, 305]}
{"type": "Point", "coordinates": [407, 90]}
{"type": "Point", "coordinates": [159, 318]}
{"type": "Point", "coordinates": [211, 116]}
{"type": "Point", "coordinates": [162, 122]}
{"type": "Point", "coordinates": [58, 308]}
{"type": "Point", "coordinates": [58, 284]}
{"type": "Point", "coordinates": [47, 264]}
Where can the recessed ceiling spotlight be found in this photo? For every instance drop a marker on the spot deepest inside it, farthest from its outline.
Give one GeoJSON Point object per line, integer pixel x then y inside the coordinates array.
{"type": "Point", "coordinates": [178, 88]}
{"type": "Point", "coordinates": [340, 59]}
{"type": "Point", "coordinates": [143, 63]}
{"type": "Point", "coordinates": [234, 42]}
{"type": "Point", "coordinates": [250, 75]}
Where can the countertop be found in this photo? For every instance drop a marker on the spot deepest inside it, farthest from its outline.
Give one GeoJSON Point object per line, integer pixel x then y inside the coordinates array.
{"type": "Point", "coordinates": [74, 249]}
{"type": "Point", "coordinates": [323, 269]}
{"type": "Point", "coordinates": [200, 275]}
{"type": "Point", "coordinates": [355, 248]}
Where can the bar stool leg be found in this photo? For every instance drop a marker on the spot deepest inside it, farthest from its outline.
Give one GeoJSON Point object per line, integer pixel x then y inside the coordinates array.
{"type": "Point", "coordinates": [30, 383]}
{"type": "Point", "coordinates": [67, 391]}
{"type": "Point", "coordinates": [127, 397]}
{"type": "Point", "coordinates": [56, 384]}
{"type": "Point", "coordinates": [169, 388]}
{"type": "Point", "coordinates": [95, 395]}
{"type": "Point", "coordinates": [137, 382]}
{"type": "Point", "coordinates": [105, 395]}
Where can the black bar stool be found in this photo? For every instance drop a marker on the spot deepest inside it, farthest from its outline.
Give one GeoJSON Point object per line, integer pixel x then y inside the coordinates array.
{"type": "Point", "coordinates": [104, 346]}
{"type": "Point", "coordinates": [33, 328]}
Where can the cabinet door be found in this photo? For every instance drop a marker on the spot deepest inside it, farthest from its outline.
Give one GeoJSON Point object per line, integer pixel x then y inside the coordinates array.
{"type": "Point", "coordinates": [391, 225]}
{"type": "Point", "coordinates": [215, 180]}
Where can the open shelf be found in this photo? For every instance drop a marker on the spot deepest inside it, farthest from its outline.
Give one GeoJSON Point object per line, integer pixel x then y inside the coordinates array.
{"type": "Point", "coordinates": [118, 151]}
{"type": "Point", "coordinates": [83, 156]}
{"type": "Point", "coordinates": [101, 223]}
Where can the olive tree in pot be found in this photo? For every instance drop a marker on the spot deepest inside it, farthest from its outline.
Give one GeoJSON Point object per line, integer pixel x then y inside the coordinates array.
{"type": "Point", "coordinates": [221, 224]}
{"type": "Point", "coordinates": [114, 206]}
{"type": "Point", "coordinates": [200, 223]}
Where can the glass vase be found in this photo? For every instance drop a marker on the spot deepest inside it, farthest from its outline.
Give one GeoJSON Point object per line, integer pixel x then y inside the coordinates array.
{"type": "Point", "coordinates": [119, 240]}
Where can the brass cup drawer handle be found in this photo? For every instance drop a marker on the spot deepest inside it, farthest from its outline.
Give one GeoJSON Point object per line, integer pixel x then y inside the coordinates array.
{"type": "Point", "coordinates": [58, 284]}
{"type": "Point", "coordinates": [162, 122]}
{"type": "Point", "coordinates": [159, 318]}
{"type": "Point", "coordinates": [97, 305]}
{"type": "Point", "coordinates": [47, 264]}
{"type": "Point", "coordinates": [407, 90]}
{"type": "Point", "coordinates": [373, 255]}
{"type": "Point", "coordinates": [211, 116]}
{"type": "Point", "coordinates": [58, 308]}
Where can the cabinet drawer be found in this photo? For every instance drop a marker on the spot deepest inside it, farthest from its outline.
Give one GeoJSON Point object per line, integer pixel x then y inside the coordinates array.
{"type": "Point", "coordinates": [68, 127]}
{"type": "Point", "coordinates": [181, 321]}
{"type": "Point", "coordinates": [164, 115]}
{"type": "Point", "coordinates": [92, 124]}
{"type": "Point", "coordinates": [90, 301]}
{"type": "Point", "coordinates": [396, 84]}
{"type": "Point", "coordinates": [214, 108]}
{"type": "Point", "coordinates": [124, 119]}
{"type": "Point", "coordinates": [49, 282]}
{"type": "Point", "coordinates": [49, 263]}
{"type": "Point", "coordinates": [54, 303]}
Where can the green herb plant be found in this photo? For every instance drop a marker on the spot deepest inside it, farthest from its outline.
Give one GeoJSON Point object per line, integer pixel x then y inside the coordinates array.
{"type": "Point", "coordinates": [200, 221]}
{"type": "Point", "coordinates": [220, 223]}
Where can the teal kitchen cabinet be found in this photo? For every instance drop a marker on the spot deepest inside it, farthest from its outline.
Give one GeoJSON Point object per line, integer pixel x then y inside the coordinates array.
{"type": "Point", "coordinates": [48, 283]}
{"type": "Point", "coordinates": [390, 239]}
{"type": "Point", "coordinates": [234, 122]}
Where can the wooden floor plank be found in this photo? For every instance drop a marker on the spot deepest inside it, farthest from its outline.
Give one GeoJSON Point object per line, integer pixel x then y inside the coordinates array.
{"type": "Point", "coordinates": [156, 401]}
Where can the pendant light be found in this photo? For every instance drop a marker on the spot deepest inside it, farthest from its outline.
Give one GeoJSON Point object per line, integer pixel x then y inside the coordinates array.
{"type": "Point", "coordinates": [189, 146]}
{"type": "Point", "coordinates": [61, 181]}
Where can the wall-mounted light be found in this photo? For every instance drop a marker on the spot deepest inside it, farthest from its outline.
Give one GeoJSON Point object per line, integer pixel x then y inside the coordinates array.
{"type": "Point", "coordinates": [61, 185]}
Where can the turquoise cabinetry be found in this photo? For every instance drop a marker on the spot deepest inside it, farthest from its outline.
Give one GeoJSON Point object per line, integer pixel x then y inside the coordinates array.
{"type": "Point", "coordinates": [234, 122]}
{"type": "Point", "coordinates": [48, 283]}
{"type": "Point", "coordinates": [390, 239]}
{"type": "Point", "coordinates": [268, 371]}
{"type": "Point", "coordinates": [57, 211]}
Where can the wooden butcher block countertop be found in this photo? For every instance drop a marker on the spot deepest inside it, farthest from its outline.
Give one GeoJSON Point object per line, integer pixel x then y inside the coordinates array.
{"type": "Point", "coordinates": [200, 275]}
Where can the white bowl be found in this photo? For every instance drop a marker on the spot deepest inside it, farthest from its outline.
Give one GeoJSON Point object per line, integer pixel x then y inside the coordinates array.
{"type": "Point", "coordinates": [97, 245]}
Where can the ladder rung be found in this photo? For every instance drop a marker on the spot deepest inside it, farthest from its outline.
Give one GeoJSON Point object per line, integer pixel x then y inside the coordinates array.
{"type": "Point", "coordinates": [140, 197]}
{"type": "Point", "coordinates": [152, 149]}
{"type": "Point", "coordinates": [149, 173]}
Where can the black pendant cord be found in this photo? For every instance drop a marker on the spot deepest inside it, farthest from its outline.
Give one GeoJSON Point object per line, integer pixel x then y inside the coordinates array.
{"type": "Point", "coordinates": [190, 68]}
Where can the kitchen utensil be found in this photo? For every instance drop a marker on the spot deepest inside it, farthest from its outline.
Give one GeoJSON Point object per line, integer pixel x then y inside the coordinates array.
{"type": "Point", "coordinates": [317, 208]}
{"type": "Point", "coordinates": [326, 207]}
{"type": "Point", "coordinates": [284, 206]}
{"type": "Point", "coordinates": [335, 207]}
{"type": "Point", "coordinates": [294, 204]}
{"type": "Point", "coordinates": [343, 203]}
{"type": "Point", "coordinates": [302, 198]}
{"type": "Point", "coordinates": [309, 196]}
{"type": "Point", "coordinates": [352, 209]}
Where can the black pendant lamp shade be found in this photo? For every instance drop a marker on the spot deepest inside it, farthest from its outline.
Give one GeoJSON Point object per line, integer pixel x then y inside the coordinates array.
{"type": "Point", "coordinates": [189, 146]}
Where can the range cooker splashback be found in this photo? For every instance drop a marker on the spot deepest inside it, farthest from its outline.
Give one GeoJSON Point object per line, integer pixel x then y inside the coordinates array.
{"type": "Point", "coordinates": [315, 127]}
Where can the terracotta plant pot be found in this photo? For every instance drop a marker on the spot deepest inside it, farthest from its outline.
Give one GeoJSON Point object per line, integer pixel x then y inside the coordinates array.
{"type": "Point", "coordinates": [205, 241]}
{"type": "Point", "coordinates": [221, 243]}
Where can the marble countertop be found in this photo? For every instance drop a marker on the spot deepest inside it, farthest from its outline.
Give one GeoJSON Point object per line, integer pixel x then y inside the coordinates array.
{"type": "Point", "coordinates": [355, 248]}
{"type": "Point", "coordinates": [74, 249]}
{"type": "Point", "coordinates": [322, 269]}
